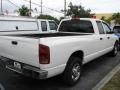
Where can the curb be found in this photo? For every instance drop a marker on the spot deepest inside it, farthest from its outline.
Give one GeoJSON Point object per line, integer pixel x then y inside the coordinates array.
{"type": "Point", "coordinates": [107, 78]}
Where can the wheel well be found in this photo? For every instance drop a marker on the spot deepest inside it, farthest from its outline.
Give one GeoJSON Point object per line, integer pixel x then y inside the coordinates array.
{"type": "Point", "coordinates": [79, 54]}
{"type": "Point", "coordinates": [117, 41]}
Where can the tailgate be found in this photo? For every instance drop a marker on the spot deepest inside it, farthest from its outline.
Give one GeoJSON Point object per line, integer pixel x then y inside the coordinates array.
{"type": "Point", "coordinates": [20, 49]}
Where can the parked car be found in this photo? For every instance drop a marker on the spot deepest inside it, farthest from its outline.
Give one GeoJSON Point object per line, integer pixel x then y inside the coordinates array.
{"type": "Point", "coordinates": [23, 25]}
{"type": "Point", "coordinates": [116, 29]}
{"type": "Point", "coordinates": [41, 56]}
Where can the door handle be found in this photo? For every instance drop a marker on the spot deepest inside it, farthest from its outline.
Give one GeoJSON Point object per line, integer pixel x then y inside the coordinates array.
{"type": "Point", "coordinates": [14, 42]}
{"type": "Point", "coordinates": [101, 38]}
{"type": "Point", "coordinates": [108, 37]}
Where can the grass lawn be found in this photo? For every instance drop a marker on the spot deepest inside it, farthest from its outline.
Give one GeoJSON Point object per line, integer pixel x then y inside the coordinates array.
{"type": "Point", "coordinates": [114, 83]}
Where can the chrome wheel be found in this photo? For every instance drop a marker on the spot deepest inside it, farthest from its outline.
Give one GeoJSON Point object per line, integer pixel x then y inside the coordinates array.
{"type": "Point", "coordinates": [76, 72]}
{"type": "Point", "coordinates": [72, 71]}
{"type": "Point", "coordinates": [115, 50]}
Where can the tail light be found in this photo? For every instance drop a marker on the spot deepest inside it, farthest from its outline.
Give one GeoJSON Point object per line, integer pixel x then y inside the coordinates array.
{"type": "Point", "coordinates": [44, 54]}
{"type": "Point", "coordinates": [94, 17]}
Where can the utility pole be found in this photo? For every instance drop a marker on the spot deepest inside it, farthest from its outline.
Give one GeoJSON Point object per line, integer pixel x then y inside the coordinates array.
{"type": "Point", "coordinates": [1, 8]}
{"type": "Point", "coordinates": [65, 8]}
{"type": "Point", "coordinates": [30, 9]}
{"type": "Point", "coordinates": [41, 7]}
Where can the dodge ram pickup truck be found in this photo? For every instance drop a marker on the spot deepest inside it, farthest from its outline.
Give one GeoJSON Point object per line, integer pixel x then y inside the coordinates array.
{"type": "Point", "coordinates": [41, 56]}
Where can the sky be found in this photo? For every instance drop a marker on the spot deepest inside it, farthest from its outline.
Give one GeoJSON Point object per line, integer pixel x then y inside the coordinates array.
{"type": "Point", "coordinates": [96, 6]}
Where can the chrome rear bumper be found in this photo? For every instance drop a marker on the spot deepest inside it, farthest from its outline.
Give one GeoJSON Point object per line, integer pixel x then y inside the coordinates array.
{"type": "Point", "coordinates": [25, 69]}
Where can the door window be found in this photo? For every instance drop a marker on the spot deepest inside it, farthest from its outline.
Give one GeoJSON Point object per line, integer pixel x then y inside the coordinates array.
{"type": "Point", "coordinates": [107, 28]}
{"type": "Point", "coordinates": [100, 27]}
{"type": "Point", "coordinates": [53, 25]}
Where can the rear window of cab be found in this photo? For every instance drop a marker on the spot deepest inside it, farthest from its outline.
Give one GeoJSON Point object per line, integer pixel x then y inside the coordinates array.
{"type": "Point", "coordinates": [82, 26]}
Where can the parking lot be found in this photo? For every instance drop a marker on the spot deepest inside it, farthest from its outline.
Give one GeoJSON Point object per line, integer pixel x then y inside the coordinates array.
{"type": "Point", "coordinates": [93, 72]}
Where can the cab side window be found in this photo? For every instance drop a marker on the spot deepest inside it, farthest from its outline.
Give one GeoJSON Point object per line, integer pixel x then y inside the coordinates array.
{"type": "Point", "coordinates": [100, 27]}
{"type": "Point", "coordinates": [53, 25]}
{"type": "Point", "coordinates": [44, 25]}
{"type": "Point", "coordinates": [107, 28]}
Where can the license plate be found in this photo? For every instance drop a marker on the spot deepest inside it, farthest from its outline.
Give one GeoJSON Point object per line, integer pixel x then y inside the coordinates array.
{"type": "Point", "coordinates": [17, 65]}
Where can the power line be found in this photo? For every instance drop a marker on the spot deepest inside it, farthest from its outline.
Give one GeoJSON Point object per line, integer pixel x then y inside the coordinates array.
{"type": "Point", "coordinates": [45, 7]}
{"type": "Point", "coordinates": [10, 3]}
{"type": "Point", "coordinates": [13, 4]}
{"type": "Point", "coordinates": [35, 4]}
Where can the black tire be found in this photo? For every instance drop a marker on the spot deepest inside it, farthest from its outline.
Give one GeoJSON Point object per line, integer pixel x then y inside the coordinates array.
{"type": "Point", "coordinates": [73, 70]}
{"type": "Point", "coordinates": [115, 50]}
{"type": "Point", "coordinates": [118, 46]}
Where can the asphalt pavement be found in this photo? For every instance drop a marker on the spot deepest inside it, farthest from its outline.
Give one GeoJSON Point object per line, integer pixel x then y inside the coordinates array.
{"type": "Point", "coordinates": [93, 73]}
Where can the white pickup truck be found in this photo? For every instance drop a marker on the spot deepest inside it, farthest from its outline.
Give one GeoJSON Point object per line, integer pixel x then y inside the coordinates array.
{"type": "Point", "coordinates": [24, 25]}
{"type": "Point", "coordinates": [46, 55]}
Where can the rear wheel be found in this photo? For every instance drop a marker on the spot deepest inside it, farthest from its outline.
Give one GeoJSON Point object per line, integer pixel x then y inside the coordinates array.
{"type": "Point", "coordinates": [119, 46]}
{"type": "Point", "coordinates": [72, 72]}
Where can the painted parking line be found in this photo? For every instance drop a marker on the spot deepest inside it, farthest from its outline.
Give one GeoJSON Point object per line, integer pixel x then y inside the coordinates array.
{"type": "Point", "coordinates": [1, 87]}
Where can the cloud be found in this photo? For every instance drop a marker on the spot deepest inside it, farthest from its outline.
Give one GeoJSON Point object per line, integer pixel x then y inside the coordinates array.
{"type": "Point", "coordinates": [105, 6]}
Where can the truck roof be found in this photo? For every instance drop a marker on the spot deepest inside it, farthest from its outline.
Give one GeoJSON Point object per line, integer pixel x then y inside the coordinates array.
{"type": "Point", "coordinates": [3, 17]}
{"type": "Point", "coordinates": [21, 18]}
{"type": "Point", "coordinates": [91, 19]}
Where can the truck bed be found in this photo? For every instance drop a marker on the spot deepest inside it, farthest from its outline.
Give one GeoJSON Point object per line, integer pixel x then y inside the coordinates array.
{"type": "Point", "coordinates": [45, 35]}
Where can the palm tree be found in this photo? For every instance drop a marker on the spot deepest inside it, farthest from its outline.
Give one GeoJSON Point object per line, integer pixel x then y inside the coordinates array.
{"type": "Point", "coordinates": [103, 18]}
{"type": "Point", "coordinates": [116, 18]}
{"type": "Point", "coordinates": [108, 20]}
{"type": "Point", "coordinates": [23, 11]}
